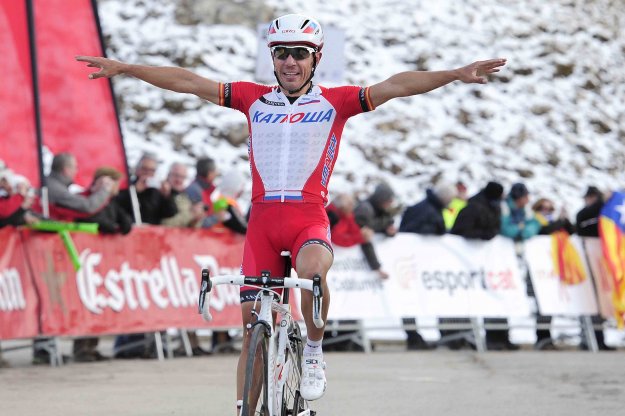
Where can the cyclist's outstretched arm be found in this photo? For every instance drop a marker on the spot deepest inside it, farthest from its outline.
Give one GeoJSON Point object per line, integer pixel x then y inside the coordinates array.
{"type": "Point", "coordinates": [169, 78]}
{"type": "Point", "coordinates": [410, 83]}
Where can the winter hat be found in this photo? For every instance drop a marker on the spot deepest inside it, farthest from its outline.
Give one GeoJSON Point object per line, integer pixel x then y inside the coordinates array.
{"type": "Point", "coordinates": [445, 191]}
{"type": "Point", "coordinates": [593, 191]}
{"type": "Point", "coordinates": [382, 193]}
{"type": "Point", "coordinates": [493, 190]}
{"type": "Point", "coordinates": [518, 190]}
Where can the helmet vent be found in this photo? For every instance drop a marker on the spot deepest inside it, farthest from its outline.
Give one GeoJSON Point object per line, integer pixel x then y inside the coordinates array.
{"type": "Point", "coordinates": [277, 23]}
{"type": "Point", "coordinates": [305, 23]}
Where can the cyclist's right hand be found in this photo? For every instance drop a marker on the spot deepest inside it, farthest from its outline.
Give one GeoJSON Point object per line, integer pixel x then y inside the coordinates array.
{"type": "Point", "coordinates": [108, 67]}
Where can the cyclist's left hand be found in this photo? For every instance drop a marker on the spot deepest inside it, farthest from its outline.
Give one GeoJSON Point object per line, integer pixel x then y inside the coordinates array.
{"type": "Point", "coordinates": [476, 72]}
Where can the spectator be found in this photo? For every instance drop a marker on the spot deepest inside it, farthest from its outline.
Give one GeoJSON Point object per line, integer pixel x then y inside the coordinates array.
{"type": "Point", "coordinates": [111, 219]}
{"type": "Point", "coordinates": [480, 219]}
{"type": "Point", "coordinates": [68, 206]}
{"type": "Point", "coordinates": [346, 232]}
{"type": "Point", "coordinates": [202, 188]}
{"type": "Point", "coordinates": [15, 200]}
{"type": "Point", "coordinates": [376, 212]}
{"type": "Point", "coordinates": [544, 211]}
{"type": "Point", "coordinates": [230, 188]}
{"type": "Point", "coordinates": [587, 219]}
{"type": "Point", "coordinates": [450, 213]}
{"type": "Point", "coordinates": [155, 200]}
{"type": "Point", "coordinates": [187, 214]}
{"type": "Point", "coordinates": [426, 217]}
{"type": "Point", "coordinates": [516, 222]}
{"type": "Point", "coordinates": [587, 224]}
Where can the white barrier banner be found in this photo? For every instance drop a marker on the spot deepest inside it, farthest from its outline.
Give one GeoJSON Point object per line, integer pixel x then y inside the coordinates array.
{"type": "Point", "coordinates": [429, 276]}
{"type": "Point", "coordinates": [569, 292]}
{"type": "Point", "coordinates": [604, 286]}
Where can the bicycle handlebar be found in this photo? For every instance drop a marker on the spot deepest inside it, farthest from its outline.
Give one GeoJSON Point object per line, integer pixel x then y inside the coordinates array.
{"type": "Point", "coordinates": [264, 281]}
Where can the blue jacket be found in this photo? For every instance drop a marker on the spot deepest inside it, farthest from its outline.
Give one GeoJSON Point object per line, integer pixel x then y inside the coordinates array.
{"type": "Point", "coordinates": [517, 223]}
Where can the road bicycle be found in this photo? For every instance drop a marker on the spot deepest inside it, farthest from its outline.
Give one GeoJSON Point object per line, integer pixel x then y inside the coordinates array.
{"type": "Point", "coordinates": [274, 361]}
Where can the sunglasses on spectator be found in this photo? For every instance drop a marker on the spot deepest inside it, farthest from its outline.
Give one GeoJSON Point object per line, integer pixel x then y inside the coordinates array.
{"type": "Point", "coordinates": [547, 209]}
{"type": "Point", "coordinates": [298, 53]}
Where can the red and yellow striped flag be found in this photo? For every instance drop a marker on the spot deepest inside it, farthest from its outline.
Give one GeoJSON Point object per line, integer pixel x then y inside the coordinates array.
{"type": "Point", "coordinates": [567, 262]}
{"type": "Point", "coordinates": [612, 234]}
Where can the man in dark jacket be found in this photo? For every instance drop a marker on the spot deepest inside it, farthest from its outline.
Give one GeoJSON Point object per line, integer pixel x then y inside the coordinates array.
{"type": "Point", "coordinates": [480, 219]}
{"type": "Point", "coordinates": [155, 199]}
{"type": "Point", "coordinates": [426, 217]}
{"type": "Point", "coordinates": [587, 224]}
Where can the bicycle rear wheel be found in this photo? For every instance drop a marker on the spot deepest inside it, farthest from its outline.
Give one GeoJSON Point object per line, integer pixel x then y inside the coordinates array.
{"type": "Point", "coordinates": [292, 401]}
{"type": "Point", "coordinates": [255, 388]}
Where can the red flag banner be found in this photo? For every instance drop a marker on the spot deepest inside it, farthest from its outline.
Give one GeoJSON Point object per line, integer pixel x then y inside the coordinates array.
{"type": "Point", "coordinates": [18, 299]}
{"type": "Point", "coordinates": [145, 281]}
{"type": "Point", "coordinates": [18, 140]}
{"type": "Point", "coordinates": [77, 115]}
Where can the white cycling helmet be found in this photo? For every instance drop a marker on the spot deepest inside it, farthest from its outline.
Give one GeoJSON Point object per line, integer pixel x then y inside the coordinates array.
{"type": "Point", "coordinates": [294, 29]}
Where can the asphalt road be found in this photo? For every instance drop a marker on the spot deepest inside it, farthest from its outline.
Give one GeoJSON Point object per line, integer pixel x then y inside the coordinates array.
{"type": "Point", "coordinates": [439, 382]}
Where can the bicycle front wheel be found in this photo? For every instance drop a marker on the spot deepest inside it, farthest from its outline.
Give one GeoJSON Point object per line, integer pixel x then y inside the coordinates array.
{"type": "Point", "coordinates": [292, 401]}
{"type": "Point", "coordinates": [255, 388]}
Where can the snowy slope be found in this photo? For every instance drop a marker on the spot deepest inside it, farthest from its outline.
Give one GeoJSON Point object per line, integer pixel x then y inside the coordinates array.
{"type": "Point", "coordinates": [554, 117]}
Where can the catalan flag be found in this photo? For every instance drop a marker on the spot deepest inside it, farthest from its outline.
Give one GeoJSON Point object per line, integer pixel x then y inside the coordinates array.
{"type": "Point", "coordinates": [566, 260]}
{"type": "Point", "coordinates": [612, 233]}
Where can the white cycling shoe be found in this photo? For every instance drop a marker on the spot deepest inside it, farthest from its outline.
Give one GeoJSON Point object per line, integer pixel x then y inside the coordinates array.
{"type": "Point", "coordinates": [313, 383]}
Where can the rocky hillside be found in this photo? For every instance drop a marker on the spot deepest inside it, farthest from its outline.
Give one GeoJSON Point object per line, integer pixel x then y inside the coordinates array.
{"type": "Point", "coordinates": [554, 117]}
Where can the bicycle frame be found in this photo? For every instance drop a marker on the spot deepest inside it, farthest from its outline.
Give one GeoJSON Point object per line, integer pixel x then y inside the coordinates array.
{"type": "Point", "coordinates": [279, 339]}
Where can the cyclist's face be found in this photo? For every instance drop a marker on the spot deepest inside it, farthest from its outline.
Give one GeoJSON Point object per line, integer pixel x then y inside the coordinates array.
{"type": "Point", "coordinates": [292, 72]}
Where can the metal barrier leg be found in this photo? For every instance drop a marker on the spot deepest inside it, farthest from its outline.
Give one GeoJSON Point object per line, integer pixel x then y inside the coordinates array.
{"type": "Point", "coordinates": [480, 342]}
{"type": "Point", "coordinates": [589, 333]}
{"type": "Point", "coordinates": [170, 351]}
{"type": "Point", "coordinates": [184, 337]}
{"type": "Point", "coordinates": [366, 342]}
{"type": "Point", "coordinates": [56, 355]}
{"type": "Point", "coordinates": [158, 342]}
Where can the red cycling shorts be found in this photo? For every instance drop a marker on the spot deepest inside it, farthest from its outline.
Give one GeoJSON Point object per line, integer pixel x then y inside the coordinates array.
{"type": "Point", "coordinates": [276, 227]}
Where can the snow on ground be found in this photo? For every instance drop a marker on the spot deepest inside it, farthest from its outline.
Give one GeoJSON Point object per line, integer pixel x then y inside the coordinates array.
{"type": "Point", "coordinates": [554, 117]}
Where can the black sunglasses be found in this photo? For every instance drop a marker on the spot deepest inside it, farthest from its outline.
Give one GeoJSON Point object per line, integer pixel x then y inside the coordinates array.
{"type": "Point", "coordinates": [298, 53]}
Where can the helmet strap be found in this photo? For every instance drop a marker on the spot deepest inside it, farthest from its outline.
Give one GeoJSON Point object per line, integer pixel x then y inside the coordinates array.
{"type": "Point", "coordinates": [312, 74]}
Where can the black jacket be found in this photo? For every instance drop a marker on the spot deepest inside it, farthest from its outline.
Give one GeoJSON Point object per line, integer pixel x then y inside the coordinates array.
{"type": "Point", "coordinates": [480, 219]}
{"type": "Point", "coordinates": [112, 219]}
{"type": "Point", "coordinates": [426, 217]}
{"type": "Point", "coordinates": [154, 207]}
{"type": "Point", "coordinates": [587, 221]}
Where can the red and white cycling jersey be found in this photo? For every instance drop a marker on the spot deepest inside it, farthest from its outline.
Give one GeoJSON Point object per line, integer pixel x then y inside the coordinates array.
{"type": "Point", "coordinates": [293, 147]}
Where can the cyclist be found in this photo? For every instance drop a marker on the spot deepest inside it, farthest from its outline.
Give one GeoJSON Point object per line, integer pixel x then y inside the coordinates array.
{"type": "Point", "coordinates": [295, 131]}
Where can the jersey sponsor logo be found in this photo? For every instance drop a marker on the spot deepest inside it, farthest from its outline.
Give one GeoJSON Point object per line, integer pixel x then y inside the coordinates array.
{"type": "Point", "coordinates": [274, 103]}
{"type": "Point", "coordinates": [308, 102]}
{"type": "Point", "coordinates": [279, 118]}
{"type": "Point", "coordinates": [327, 164]}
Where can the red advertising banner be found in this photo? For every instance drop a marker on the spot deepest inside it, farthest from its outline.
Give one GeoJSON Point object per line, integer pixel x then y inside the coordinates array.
{"type": "Point", "coordinates": [77, 115]}
{"type": "Point", "coordinates": [18, 299]}
{"type": "Point", "coordinates": [145, 281]}
{"type": "Point", "coordinates": [18, 140]}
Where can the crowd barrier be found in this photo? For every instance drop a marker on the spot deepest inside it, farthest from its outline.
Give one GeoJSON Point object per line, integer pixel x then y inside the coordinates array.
{"type": "Point", "coordinates": [148, 280]}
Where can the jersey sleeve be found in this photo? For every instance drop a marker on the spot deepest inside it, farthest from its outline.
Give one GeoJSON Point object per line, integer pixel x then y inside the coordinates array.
{"type": "Point", "coordinates": [350, 100]}
{"type": "Point", "coordinates": [240, 95]}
